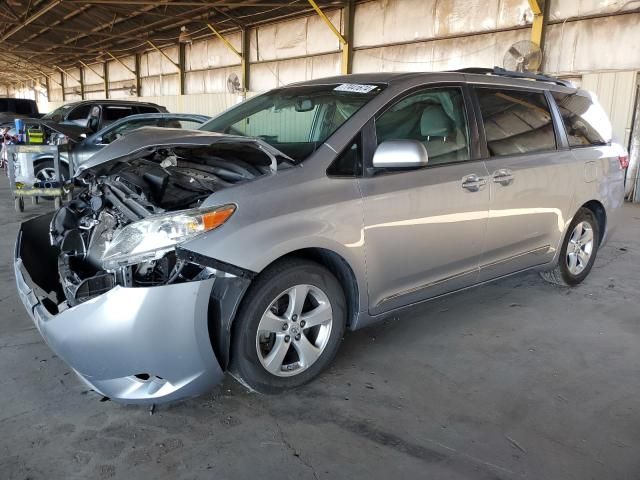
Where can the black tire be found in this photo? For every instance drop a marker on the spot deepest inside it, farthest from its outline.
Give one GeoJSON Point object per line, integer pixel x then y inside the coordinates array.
{"type": "Point", "coordinates": [561, 275]}
{"type": "Point", "coordinates": [48, 164]}
{"type": "Point", "coordinates": [265, 289]}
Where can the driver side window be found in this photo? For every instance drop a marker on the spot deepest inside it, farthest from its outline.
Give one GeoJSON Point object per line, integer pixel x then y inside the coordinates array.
{"type": "Point", "coordinates": [436, 117]}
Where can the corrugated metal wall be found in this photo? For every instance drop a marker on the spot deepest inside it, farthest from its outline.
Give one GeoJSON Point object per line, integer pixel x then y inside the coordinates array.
{"type": "Point", "coordinates": [389, 35]}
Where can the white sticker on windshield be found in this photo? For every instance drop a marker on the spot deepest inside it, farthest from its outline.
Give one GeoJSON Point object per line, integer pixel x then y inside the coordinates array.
{"type": "Point", "coordinates": [354, 88]}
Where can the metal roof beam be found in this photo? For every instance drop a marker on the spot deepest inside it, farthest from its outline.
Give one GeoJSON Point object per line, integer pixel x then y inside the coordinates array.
{"type": "Point", "coordinates": [224, 40]}
{"type": "Point", "coordinates": [181, 3]}
{"type": "Point", "coordinates": [29, 20]}
{"type": "Point", "coordinates": [165, 55]}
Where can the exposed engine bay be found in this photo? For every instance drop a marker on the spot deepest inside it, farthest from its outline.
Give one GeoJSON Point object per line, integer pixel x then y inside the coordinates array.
{"type": "Point", "coordinates": [111, 200]}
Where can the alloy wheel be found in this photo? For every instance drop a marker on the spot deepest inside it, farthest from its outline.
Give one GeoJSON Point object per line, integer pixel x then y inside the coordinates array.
{"type": "Point", "coordinates": [294, 331]}
{"type": "Point", "coordinates": [579, 248]}
{"type": "Point", "coordinates": [48, 174]}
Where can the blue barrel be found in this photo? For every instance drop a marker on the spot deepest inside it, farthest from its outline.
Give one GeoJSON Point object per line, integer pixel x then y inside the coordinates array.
{"type": "Point", "coordinates": [19, 129]}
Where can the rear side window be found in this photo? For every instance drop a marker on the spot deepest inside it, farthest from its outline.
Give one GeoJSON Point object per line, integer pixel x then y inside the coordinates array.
{"type": "Point", "coordinates": [146, 109]}
{"type": "Point", "coordinates": [585, 121]}
{"type": "Point", "coordinates": [80, 113]}
{"type": "Point", "coordinates": [516, 122]}
{"type": "Point", "coordinates": [112, 113]}
{"type": "Point", "coordinates": [24, 107]}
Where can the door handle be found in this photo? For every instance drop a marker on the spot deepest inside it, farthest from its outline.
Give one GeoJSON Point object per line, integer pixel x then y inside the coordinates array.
{"type": "Point", "coordinates": [473, 182]}
{"type": "Point", "coordinates": [504, 176]}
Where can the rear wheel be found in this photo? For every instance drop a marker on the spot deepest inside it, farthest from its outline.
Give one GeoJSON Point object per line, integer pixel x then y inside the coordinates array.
{"type": "Point", "coordinates": [578, 252]}
{"type": "Point", "coordinates": [289, 327]}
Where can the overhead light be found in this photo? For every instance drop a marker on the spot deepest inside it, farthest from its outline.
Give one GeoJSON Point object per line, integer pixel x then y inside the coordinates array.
{"type": "Point", "coordinates": [185, 36]}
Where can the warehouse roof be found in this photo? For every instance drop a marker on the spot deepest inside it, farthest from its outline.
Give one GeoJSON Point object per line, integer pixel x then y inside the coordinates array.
{"type": "Point", "coordinates": [41, 36]}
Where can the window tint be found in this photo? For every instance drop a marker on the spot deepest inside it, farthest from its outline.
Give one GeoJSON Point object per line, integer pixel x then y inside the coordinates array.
{"type": "Point", "coordinates": [516, 122]}
{"type": "Point", "coordinates": [111, 113]}
{"type": "Point", "coordinates": [435, 117]}
{"type": "Point", "coordinates": [24, 107]}
{"type": "Point", "coordinates": [349, 162]}
{"type": "Point", "coordinates": [585, 121]}
{"type": "Point", "coordinates": [146, 109]}
{"type": "Point", "coordinates": [80, 113]}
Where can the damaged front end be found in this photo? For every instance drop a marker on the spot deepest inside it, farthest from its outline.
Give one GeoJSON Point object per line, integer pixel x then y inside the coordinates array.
{"type": "Point", "coordinates": [138, 317]}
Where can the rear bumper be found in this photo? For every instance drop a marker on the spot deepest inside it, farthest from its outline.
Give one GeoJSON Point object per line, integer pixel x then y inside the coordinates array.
{"type": "Point", "coordinates": [115, 340]}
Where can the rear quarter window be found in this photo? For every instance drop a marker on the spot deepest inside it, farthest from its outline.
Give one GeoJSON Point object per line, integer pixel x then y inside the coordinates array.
{"type": "Point", "coordinates": [25, 107]}
{"type": "Point", "coordinates": [516, 121]}
{"type": "Point", "coordinates": [113, 113]}
{"type": "Point", "coordinates": [584, 119]}
{"type": "Point", "coordinates": [147, 109]}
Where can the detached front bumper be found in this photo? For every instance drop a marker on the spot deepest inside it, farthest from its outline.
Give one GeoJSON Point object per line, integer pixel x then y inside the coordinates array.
{"type": "Point", "coordinates": [133, 345]}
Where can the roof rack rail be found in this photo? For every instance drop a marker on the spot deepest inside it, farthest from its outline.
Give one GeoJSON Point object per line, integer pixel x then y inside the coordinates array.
{"type": "Point", "coordinates": [511, 74]}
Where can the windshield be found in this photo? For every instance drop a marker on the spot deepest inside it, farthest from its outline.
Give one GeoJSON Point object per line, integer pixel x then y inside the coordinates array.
{"type": "Point", "coordinates": [295, 120]}
{"type": "Point", "coordinates": [57, 114]}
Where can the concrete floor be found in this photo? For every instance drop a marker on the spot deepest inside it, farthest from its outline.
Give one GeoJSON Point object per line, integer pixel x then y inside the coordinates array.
{"type": "Point", "coordinates": [517, 379]}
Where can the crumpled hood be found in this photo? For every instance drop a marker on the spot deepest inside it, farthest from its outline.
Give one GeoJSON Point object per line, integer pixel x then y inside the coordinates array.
{"type": "Point", "coordinates": [151, 138]}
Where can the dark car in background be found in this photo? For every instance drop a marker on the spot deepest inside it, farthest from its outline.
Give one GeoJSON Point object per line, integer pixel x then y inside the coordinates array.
{"type": "Point", "coordinates": [84, 144]}
{"type": "Point", "coordinates": [11, 108]}
{"type": "Point", "coordinates": [94, 115]}
{"type": "Point", "coordinates": [97, 114]}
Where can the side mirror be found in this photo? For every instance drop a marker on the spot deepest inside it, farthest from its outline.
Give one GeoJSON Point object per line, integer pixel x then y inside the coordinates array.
{"type": "Point", "coordinates": [400, 154]}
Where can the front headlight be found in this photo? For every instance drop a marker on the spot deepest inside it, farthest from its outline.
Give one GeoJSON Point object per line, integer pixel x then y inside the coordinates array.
{"type": "Point", "coordinates": [153, 237]}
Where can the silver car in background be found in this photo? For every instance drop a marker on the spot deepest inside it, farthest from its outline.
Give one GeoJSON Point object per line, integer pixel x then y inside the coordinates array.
{"type": "Point", "coordinates": [253, 244]}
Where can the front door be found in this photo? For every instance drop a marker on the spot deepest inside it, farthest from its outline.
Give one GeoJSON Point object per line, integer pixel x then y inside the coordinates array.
{"type": "Point", "coordinates": [424, 228]}
{"type": "Point", "coordinates": [530, 180]}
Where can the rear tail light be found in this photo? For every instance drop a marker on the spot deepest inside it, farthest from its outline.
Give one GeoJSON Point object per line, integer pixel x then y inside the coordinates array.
{"type": "Point", "coordinates": [624, 160]}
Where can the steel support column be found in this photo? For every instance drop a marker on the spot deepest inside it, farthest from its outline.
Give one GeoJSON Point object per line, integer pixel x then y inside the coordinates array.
{"type": "Point", "coordinates": [346, 47]}
{"type": "Point", "coordinates": [138, 78]}
{"type": "Point", "coordinates": [105, 79]}
{"type": "Point", "coordinates": [540, 9]}
{"type": "Point", "coordinates": [81, 83]}
{"type": "Point", "coordinates": [64, 96]}
{"type": "Point", "coordinates": [244, 61]}
{"type": "Point", "coordinates": [182, 60]}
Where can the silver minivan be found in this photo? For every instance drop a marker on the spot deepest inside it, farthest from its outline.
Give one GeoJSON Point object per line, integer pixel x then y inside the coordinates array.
{"type": "Point", "coordinates": [250, 246]}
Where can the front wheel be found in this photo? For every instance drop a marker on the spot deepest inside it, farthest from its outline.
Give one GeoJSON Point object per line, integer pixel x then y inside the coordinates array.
{"type": "Point", "coordinates": [289, 326]}
{"type": "Point", "coordinates": [578, 251]}
{"type": "Point", "coordinates": [45, 171]}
